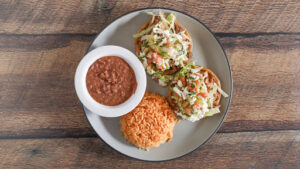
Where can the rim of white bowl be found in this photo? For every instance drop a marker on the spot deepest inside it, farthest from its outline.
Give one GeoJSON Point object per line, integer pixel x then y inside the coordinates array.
{"type": "Point", "coordinates": [85, 97]}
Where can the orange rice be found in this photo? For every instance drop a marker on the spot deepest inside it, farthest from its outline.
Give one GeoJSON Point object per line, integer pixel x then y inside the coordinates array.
{"type": "Point", "coordinates": [150, 124]}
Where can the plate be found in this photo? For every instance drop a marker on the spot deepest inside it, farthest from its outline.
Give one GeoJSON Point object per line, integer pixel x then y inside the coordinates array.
{"type": "Point", "coordinates": [188, 136]}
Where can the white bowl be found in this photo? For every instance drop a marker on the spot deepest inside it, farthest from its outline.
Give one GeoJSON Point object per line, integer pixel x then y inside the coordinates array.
{"type": "Point", "coordinates": [89, 102]}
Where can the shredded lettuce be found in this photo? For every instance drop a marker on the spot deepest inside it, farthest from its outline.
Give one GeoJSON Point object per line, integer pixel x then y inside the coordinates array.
{"type": "Point", "coordinates": [165, 78]}
{"type": "Point", "coordinates": [164, 20]}
{"type": "Point", "coordinates": [184, 70]}
{"type": "Point", "coordinates": [199, 96]}
{"type": "Point", "coordinates": [162, 79]}
{"type": "Point", "coordinates": [212, 112]}
{"type": "Point", "coordinates": [196, 70]}
{"type": "Point", "coordinates": [221, 91]}
{"type": "Point", "coordinates": [162, 39]}
{"type": "Point", "coordinates": [171, 18]}
{"type": "Point", "coordinates": [143, 32]}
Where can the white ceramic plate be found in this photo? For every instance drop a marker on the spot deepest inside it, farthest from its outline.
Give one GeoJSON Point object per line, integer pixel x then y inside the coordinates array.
{"type": "Point", "coordinates": [188, 136]}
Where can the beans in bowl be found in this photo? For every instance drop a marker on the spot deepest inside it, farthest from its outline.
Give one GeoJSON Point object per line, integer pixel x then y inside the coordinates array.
{"type": "Point", "coordinates": [110, 80]}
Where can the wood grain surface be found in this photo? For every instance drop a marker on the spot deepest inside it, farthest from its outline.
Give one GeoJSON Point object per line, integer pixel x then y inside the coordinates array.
{"type": "Point", "coordinates": [38, 97]}
{"type": "Point", "coordinates": [89, 16]}
{"type": "Point", "coordinates": [42, 122]}
{"type": "Point", "coordinates": [229, 150]}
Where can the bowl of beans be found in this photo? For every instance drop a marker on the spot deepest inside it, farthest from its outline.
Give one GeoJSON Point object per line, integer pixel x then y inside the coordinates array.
{"type": "Point", "coordinates": [110, 81]}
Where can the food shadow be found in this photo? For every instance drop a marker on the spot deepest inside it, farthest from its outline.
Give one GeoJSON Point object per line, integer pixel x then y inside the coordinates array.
{"type": "Point", "coordinates": [113, 126]}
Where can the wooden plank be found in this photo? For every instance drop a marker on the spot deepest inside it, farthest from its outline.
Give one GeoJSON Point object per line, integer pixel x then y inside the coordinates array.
{"type": "Point", "coordinates": [37, 94]}
{"type": "Point", "coordinates": [37, 97]}
{"type": "Point", "coordinates": [266, 75]}
{"type": "Point", "coordinates": [90, 16]}
{"type": "Point", "coordinates": [228, 150]}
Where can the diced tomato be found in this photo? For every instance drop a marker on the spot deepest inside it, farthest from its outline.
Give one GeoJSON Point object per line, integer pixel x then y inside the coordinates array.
{"type": "Point", "coordinates": [190, 47]}
{"type": "Point", "coordinates": [138, 50]}
{"type": "Point", "coordinates": [149, 61]}
{"type": "Point", "coordinates": [161, 66]}
{"type": "Point", "coordinates": [168, 42]}
{"type": "Point", "coordinates": [188, 110]}
{"type": "Point", "coordinates": [196, 105]}
{"type": "Point", "coordinates": [182, 79]}
{"type": "Point", "coordinates": [190, 88]}
{"type": "Point", "coordinates": [204, 95]}
{"type": "Point", "coordinates": [156, 58]}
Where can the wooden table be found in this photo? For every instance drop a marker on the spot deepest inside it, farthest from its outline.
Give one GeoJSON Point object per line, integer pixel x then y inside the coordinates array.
{"type": "Point", "coordinates": [42, 123]}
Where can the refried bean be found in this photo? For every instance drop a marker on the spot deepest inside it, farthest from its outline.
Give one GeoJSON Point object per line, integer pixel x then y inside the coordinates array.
{"type": "Point", "coordinates": [110, 80]}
